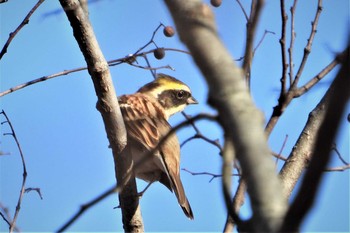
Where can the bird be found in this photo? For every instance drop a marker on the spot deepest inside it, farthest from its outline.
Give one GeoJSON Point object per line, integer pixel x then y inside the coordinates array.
{"type": "Point", "coordinates": [145, 114]}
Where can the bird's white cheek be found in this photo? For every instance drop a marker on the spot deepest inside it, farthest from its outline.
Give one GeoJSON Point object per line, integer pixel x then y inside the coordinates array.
{"type": "Point", "coordinates": [172, 111]}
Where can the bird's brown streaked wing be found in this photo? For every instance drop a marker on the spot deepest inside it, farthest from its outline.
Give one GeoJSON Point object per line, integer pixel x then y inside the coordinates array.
{"type": "Point", "coordinates": [140, 113]}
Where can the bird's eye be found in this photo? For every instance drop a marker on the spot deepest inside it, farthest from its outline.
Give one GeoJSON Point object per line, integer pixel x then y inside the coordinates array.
{"type": "Point", "coordinates": [180, 94]}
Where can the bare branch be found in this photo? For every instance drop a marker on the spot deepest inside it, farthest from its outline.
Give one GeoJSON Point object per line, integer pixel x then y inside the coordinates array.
{"type": "Point", "coordinates": [128, 59]}
{"type": "Point", "coordinates": [37, 190]}
{"type": "Point", "coordinates": [334, 148]}
{"type": "Point", "coordinates": [333, 104]}
{"type": "Point", "coordinates": [284, 17]}
{"type": "Point", "coordinates": [198, 134]}
{"type": "Point", "coordinates": [228, 158]}
{"type": "Point", "coordinates": [307, 49]}
{"type": "Point", "coordinates": [312, 82]}
{"type": "Point", "coordinates": [291, 45]}
{"type": "Point", "coordinates": [22, 24]}
{"type": "Point", "coordinates": [87, 206]}
{"type": "Point", "coordinates": [252, 23]}
{"type": "Point", "coordinates": [338, 169]}
{"type": "Point", "coordinates": [6, 215]}
{"type": "Point", "coordinates": [18, 206]}
{"type": "Point", "coordinates": [281, 150]}
{"type": "Point", "coordinates": [108, 106]}
{"type": "Point", "coordinates": [238, 116]}
{"type": "Point", "coordinates": [213, 176]}
{"type": "Point", "coordinates": [243, 10]}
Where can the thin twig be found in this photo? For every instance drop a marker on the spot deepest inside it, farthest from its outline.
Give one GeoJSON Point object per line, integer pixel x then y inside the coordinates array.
{"type": "Point", "coordinates": [335, 149]}
{"type": "Point", "coordinates": [291, 45]}
{"type": "Point", "coordinates": [87, 206]}
{"type": "Point", "coordinates": [282, 41]}
{"type": "Point", "coordinates": [312, 82]}
{"type": "Point", "coordinates": [66, 72]}
{"type": "Point", "coordinates": [6, 218]}
{"type": "Point", "coordinates": [259, 43]}
{"type": "Point", "coordinates": [252, 23]}
{"type": "Point", "coordinates": [281, 150]}
{"type": "Point", "coordinates": [22, 24]}
{"type": "Point", "coordinates": [200, 135]}
{"type": "Point", "coordinates": [243, 10]}
{"type": "Point", "coordinates": [151, 40]}
{"type": "Point", "coordinates": [262, 39]}
{"type": "Point", "coordinates": [213, 176]}
{"type": "Point", "coordinates": [307, 49]}
{"type": "Point", "coordinates": [37, 190]}
{"type": "Point", "coordinates": [338, 169]}
{"type": "Point", "coordinates": [18, 206]}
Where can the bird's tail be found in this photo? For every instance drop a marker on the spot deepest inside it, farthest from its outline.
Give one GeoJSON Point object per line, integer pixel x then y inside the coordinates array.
{"type": "Point", "coordinates": [181, 197]}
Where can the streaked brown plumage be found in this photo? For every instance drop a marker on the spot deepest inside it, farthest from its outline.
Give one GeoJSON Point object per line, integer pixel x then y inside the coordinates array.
{"type": "Point", "coordinates": [145, 115]}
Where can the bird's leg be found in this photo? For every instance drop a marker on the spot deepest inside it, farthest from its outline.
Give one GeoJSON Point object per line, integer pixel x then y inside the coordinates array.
{"type": "Point", "coordinates": [140, 194]}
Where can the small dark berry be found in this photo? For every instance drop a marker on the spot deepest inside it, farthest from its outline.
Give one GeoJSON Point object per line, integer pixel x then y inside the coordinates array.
{"type": "Point", "coordinates": [216, 3]}
{"type": "Point", "coordinates": [169, 31]}
{"type": "Point", "coordinates": [159, 53]}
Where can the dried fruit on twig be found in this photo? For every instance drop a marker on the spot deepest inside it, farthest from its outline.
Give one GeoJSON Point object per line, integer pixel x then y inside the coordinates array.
{"type": "Point", "coordinates": [216, 3]}
{"type": "Point", "coordinates": [159, 53]}
{"type": "Point", "coordinates": [169, 31]}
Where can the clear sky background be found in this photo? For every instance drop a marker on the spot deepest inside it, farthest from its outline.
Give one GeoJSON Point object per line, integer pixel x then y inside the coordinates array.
{"type": "Point", "coordinates": [62, 134]}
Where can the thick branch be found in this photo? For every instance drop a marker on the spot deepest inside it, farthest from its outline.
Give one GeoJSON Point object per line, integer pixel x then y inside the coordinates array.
{"type": "Point", "coordinates": [332, 107]}
{"type": "Point", "coordinates": [108, 106]}
{"type": "Point", "coordinates": [240, 119]}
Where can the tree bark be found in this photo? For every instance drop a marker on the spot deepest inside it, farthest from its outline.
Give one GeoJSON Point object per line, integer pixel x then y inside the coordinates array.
{"type": "Point", "coordinates": [107, 105]}
{"type": "Point", "coordinates": [238, 116]}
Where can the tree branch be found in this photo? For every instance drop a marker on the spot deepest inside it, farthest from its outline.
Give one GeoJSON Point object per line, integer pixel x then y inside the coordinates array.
{"type": "Point", "coordinates": [330, 111]}
{"type": "Point", "coordinates": [239, 118]}
{"type": "Point", "coordinates": [307, 49]}
{"type": "Point", "coordinates": [252, 23]}
{"type": "Point", "coordinates": [87, 206]}
{"type": "Point", "coordinates": [108, 106]}
{"type": "Point", "coordinates": [22, 24]}
{"type": "Point", "coordinates": [22, 191]}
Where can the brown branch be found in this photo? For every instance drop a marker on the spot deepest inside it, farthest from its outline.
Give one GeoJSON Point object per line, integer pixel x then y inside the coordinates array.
{"type": "Point", "coordinates": [18, 206]}
{"type": "Point", "coordinates": [129, 60]}
{"type": "Point", "coordinates": [307, 49]}
{"type": "Point", "coordinates": [199, 134]}
{"type": "Point", "coordinates": [286, 97]}
{"type": "Point", "coordinates": [22, 24]}
{"type": "Point", "coordinates": [243, 10]}
{"type": "Point", "coordinates": [228, 158]}
{"type": "Point", "coordinates": [6, 215]}
{"type": "Point", "coordinates": [240, 120]}
{"type": "Point", "coordinates": [259, 44]}
{"type": "Point", "coordinates": [86, 206]}
{"type": "Point", "coordinates": [334, 148]}
{"type": "Point", "coordinates": [251, 25]}
{"type": "Point", "coordinates": [334, 103]}
{"type": "Point", "coordinates": [338, 169]}
{"type": "Point", "coordinates": [284, 19]}
{"type": "Point", "coordinates": [291, 45]}
{"type": "Point", "coordinates": [213, 176]}
{"type": "Point", "coordinates": [312, 82]}
{"type": "Point", "coordinates": [281, 150]}
{"type": "Point", "coordinates": [108, 107]}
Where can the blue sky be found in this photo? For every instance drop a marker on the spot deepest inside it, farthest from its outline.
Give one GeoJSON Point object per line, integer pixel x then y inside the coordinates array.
{"type": "Point", "coordinates": [62, 134]}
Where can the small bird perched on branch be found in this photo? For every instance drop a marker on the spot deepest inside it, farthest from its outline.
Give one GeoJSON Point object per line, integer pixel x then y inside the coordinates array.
{"type": "Point", "coordinates": [145, 115]}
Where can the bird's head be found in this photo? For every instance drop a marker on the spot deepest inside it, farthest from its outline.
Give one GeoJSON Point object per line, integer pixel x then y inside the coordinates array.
{"type": "Point", "coordinates": [172, 94]}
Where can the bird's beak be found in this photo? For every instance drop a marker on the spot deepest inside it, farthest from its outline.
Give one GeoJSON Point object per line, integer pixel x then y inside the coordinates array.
{"type": "Point", "coordinates": [192, 100]}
